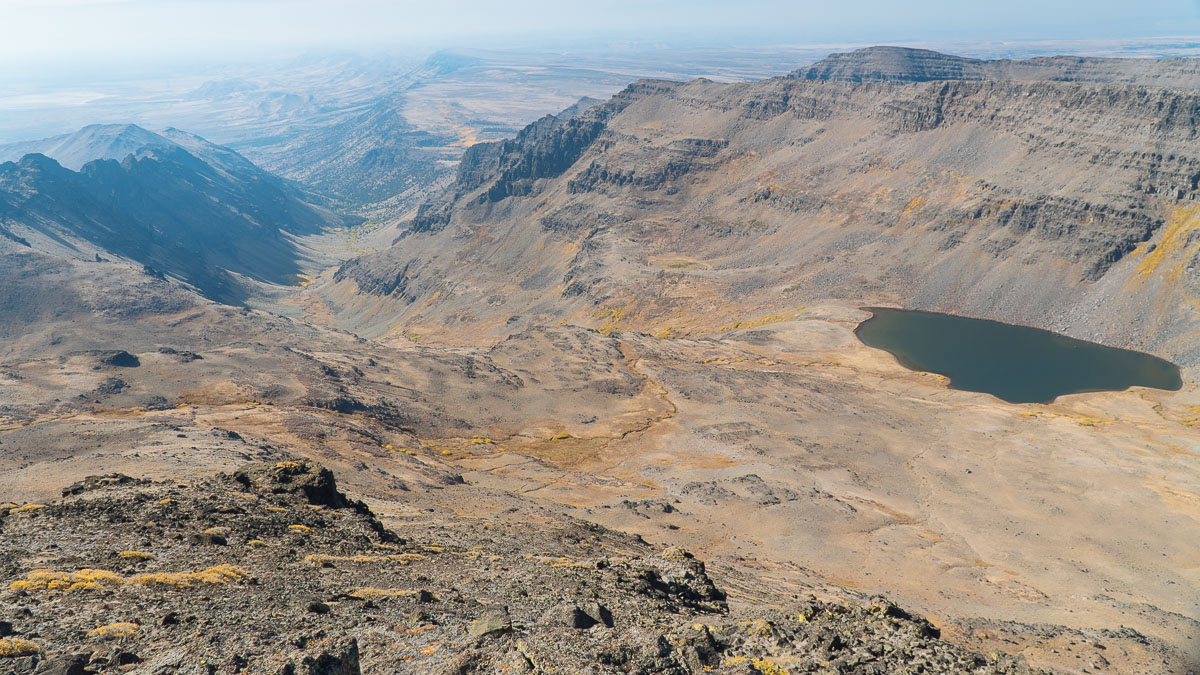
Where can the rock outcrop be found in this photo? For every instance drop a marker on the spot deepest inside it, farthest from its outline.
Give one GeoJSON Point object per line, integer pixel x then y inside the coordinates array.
{"type": "Point", "coordinates": [310, 583]}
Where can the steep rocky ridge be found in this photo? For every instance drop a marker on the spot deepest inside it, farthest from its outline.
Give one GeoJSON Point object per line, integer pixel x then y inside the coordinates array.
{"type": "Point", "coordinates": [691, 206]}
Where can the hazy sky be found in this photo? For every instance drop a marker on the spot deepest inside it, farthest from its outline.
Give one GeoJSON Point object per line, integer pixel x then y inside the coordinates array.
{"type": "Point", "coordinates": [89, 31]}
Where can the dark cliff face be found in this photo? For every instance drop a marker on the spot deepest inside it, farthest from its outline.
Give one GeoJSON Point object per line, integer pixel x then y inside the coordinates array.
{"type": "Point", "coordinates": [168, 210]}
{"type": "Point", "coordinates": [545, 149]}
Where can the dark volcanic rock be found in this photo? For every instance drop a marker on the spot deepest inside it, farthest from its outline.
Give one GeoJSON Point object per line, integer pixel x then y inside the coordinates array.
{"type": "Point", "coordinates": [340, 659]}
{"type": "Point", "coordinates": [120, 359]}
{"type": "Point", "coordinates": [111, 385]}
{"type": "Point", "coordinates": [316, 484]}
{"type": "Point", "coordinates": [97, 482]}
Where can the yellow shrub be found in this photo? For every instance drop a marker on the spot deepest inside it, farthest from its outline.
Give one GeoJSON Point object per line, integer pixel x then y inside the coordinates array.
{"type": "Point", "coordinates": [756, 627]}
{"type": "Point", "coordinates": [27, 508]}
{"type": "Point", "coordinates": [115, 631]}
{"type": "Point", "coordinates": [256, 543]}
{"type": "Point", "coordinates": [14, 647]}
{"type": "Point", "coordinates": [213, 575]}
{"type": "Point", "coordinates": [761, 665]}
{"type": "Point", "coordinates": [51, 580]}
{"type": "Point", "coordinates": [372, 593]}
{"type": "Point", "coordinates": [767, 668]}
{"type": "Point", "coordinates": [403, 558]}
{"type": "Point", "coordinates": [302, 529]}
{"type": "Point", "coordinates": [135, 555]}
{"type": "Point", "coordinates": [560, 437]}
{"type": "Point", "coordinates": [41, 580]}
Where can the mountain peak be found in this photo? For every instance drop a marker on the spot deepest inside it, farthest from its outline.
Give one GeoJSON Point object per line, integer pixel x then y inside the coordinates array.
{"type": "Point", "coordinates": [95, 141]}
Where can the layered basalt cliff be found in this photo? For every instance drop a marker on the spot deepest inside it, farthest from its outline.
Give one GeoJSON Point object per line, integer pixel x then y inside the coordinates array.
{"type": "Point", "coordinates": [903, 64]}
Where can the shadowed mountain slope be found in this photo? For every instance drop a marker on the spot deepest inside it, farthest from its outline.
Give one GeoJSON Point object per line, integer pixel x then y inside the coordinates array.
{"type": "Point", "coordinates": [178, 205]}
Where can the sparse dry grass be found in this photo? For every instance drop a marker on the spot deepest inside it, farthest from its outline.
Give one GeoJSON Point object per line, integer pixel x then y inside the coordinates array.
{"type": "Point", "coordinates": [1181, 221]}
{"type": "Point", "coordinates": [401, 559]}
{"type": "Point", "coordinates": [16, 647]}
{"type": "Point", "coordinates": [762, 320]}
{"type": "Point", "coordinates": [759, 665]}
{"type": "Point", "coordinates": [373, 593]}
{"type": "Point", "coordinates": [135, 555]}
{"type": "Point", "coordinates": [220, 574]}
{"type": "Point", "coordinates": [85, 579]}
{"type": "Point", "coordinates": [560, 561]}
{"type": "Point", "coordinates": [115, 631]}
{"type": "Point", "coordinates": [51, 580]}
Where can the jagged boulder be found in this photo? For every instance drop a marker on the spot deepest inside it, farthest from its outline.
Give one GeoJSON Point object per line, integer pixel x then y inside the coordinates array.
{"type": "Point", "coordinates": [317, 484]}
{"type": "Point", "coordinates": [96, 482]}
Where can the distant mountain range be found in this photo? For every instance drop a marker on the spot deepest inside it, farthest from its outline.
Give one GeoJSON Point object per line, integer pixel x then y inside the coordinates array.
{"type": "Point", "coordinates": [372, 156]}
{"type": "Point", "coordinates": [171, 201]}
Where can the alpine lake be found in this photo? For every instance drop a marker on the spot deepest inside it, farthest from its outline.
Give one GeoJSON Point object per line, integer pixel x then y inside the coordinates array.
{"type": "Point", "coordinates": [1014, 363]}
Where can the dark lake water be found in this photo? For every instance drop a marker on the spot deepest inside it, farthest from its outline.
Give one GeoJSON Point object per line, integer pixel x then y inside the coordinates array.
{"type": "Point", "coordinates": [1013, 363]}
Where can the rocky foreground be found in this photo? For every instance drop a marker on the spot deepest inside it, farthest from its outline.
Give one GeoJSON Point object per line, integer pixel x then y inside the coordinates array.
{"type": "Point", "coordinates": [273, 569]}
